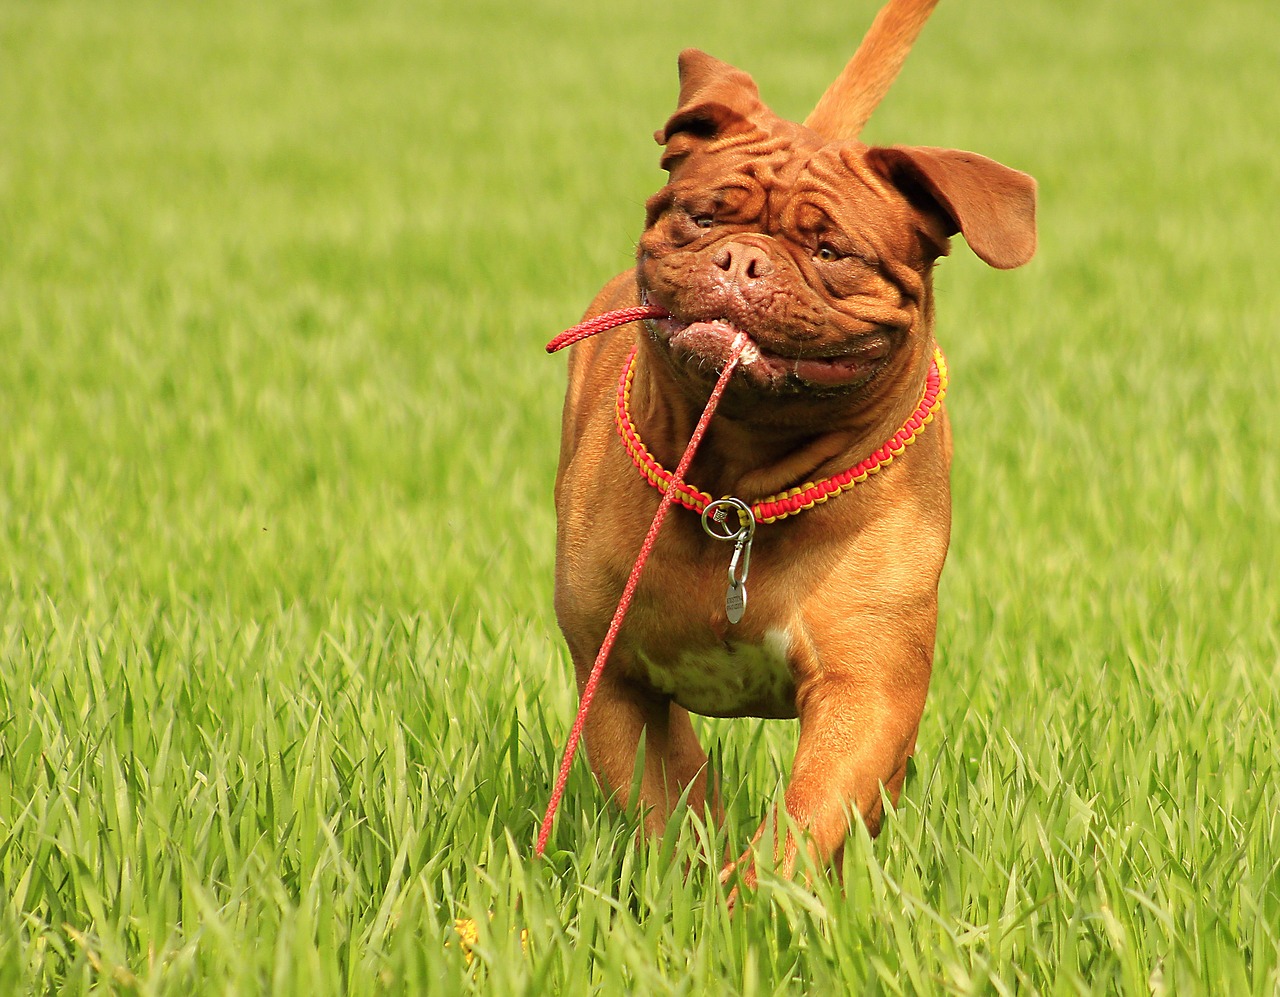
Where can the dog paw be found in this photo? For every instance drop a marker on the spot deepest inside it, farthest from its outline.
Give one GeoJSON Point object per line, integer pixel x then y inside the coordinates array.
{"type": "Point", "coordinates": [741, 873]}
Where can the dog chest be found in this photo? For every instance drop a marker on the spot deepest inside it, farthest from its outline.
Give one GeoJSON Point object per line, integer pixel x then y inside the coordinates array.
{"type": "Point", "coordinates": [733, 678]}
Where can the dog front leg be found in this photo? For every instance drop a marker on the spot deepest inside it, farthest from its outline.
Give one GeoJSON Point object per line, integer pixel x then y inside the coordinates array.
{"type": "Point", "coordinates": [622, 715]}
{"type": "Point", "coordinates": [853, 741]}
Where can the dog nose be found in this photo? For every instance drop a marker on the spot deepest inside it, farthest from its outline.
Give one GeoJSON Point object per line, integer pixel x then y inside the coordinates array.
{"type": "Point", "coordinates": [743, 263]}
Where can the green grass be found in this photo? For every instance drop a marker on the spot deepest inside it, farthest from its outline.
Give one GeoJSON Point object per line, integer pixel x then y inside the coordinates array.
{"type": "Point", "coordinates": [281, 692]}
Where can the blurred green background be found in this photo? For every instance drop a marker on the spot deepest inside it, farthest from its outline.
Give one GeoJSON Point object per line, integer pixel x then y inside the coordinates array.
{"type": "Point", "coordinates": [277, 437]}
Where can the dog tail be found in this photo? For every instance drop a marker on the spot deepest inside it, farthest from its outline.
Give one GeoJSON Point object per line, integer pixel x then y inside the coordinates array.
{"type": "Point", "coordinates": [849, 101]}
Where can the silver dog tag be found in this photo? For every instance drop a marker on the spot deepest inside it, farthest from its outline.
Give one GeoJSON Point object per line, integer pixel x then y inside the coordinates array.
{"type": "Point", "coordinates": [715, 521]}
{"type": "Point", "coordinates": [735, 601]}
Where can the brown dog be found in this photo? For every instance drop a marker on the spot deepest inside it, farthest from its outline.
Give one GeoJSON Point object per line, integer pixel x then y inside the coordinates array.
{"type": "Point", "coordinates": [820, 249]}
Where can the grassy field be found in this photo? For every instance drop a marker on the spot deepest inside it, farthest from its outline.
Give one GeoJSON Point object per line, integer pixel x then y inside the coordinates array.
{"type": "Point", "coordinates": [281, 692]}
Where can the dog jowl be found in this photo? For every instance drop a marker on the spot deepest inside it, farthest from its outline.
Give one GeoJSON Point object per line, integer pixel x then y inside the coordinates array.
{"type": "Point", "coordinates": [831, 431]}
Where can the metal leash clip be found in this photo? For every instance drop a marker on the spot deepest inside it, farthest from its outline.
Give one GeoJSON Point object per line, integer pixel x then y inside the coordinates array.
{"type": "Point", "coordinates": [715, 523]}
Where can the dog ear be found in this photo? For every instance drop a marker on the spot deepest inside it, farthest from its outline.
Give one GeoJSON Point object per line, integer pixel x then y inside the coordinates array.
{"type": "Point", "coordinates": [993, 206]}
{"type": "Point", "coordinates": [716, 101]}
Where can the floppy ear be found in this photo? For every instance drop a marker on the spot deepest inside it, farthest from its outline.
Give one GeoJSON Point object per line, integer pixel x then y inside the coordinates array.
{"type": "Point", "coordinates": [993, 206]}
{"type": "Point", "coordinates": [716, 101]}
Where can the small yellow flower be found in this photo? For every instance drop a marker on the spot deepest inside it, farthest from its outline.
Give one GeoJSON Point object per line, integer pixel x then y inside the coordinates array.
{"type": "Point", "coordinates": [469, 933]}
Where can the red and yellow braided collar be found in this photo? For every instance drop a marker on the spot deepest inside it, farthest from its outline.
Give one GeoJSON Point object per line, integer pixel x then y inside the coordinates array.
{"type": "Point", "coordinates": [788, 503]}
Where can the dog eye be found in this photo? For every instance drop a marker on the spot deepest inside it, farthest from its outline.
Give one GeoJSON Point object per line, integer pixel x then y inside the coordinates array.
{"type": "Point", "coordinates": [828, 253]}
{"type": "Point", "coordinates": [703, 221]}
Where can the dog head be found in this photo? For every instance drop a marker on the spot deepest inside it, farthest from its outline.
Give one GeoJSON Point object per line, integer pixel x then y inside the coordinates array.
{"type": "Point", "coordinates": [818, 247]}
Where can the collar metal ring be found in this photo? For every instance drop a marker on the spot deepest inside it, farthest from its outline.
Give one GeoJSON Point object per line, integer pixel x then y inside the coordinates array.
{"type": "Point", "coordinates": [715, 519]}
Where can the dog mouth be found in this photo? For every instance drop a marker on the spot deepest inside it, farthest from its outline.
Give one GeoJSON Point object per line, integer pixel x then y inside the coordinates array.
{"type": "Point", "coordinates": [705, 346]}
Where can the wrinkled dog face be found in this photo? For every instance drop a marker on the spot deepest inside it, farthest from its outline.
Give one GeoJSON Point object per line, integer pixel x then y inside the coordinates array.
{"type": "Point", "coordinates": [819, 251]}
{"type": "Point", "coordinates": [766, 229]}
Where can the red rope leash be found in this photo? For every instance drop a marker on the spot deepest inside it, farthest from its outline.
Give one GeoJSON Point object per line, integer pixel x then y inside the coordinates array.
{"type": "Point", "coordinates": [602, 322]}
